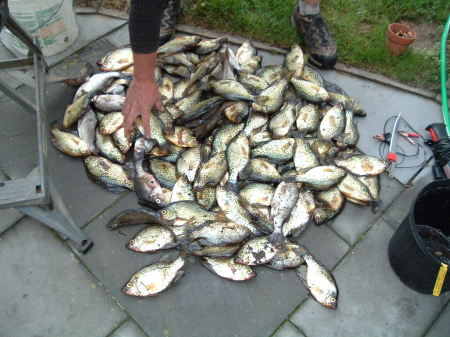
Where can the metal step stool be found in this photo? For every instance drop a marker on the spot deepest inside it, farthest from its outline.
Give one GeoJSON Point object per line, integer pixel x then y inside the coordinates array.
{"type": "Point", "coordinates": [35, 195]}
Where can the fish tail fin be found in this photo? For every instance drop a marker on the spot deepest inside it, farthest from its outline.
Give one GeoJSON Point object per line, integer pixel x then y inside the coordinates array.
{"type": "Point", "coordinates": [290, 179]}
{"type": "Point", "coordinates": [377, 206]}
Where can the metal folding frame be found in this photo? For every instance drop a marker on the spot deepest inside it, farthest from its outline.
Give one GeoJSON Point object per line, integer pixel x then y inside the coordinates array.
{"type": "Point", "coordinates": [35, 195]}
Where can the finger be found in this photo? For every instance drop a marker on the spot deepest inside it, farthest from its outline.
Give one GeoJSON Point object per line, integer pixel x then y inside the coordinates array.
{"type": "Point", "coordinates": [146, 121]}
{"type": "Point", "coordinates": [129, 118]}
{"type": "Point", "coordinates": [159, 105]}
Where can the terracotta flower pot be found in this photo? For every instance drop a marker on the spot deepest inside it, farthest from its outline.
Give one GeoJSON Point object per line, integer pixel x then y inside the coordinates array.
{"type": "Point", "coordinates": [399, 37]}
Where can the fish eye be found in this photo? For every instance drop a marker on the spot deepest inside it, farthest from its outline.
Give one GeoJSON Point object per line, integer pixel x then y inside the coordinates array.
{"type": "Point", "coordinates": [332, 300]}
{"type": "Point", "coordinates": [193, 137]}
{"type": "Point", "coordinates": [164, 212]}
{"type": "Point", "coordinates": [132, 241]}
{"type": "Point", "coordinates": [121, 147]}
{"type": "Point", "coordinates": [129, 284]}
{"type": "Point", "coordinates": [158, 201]}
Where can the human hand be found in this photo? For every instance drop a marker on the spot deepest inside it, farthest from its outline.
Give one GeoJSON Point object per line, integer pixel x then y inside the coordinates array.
{"type": "Point", "coordinates": [142, 96]}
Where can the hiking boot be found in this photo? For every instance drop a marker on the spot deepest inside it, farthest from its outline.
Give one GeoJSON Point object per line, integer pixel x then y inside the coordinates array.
{"type": "Point", "coordinates": [168, 20]}
{"type": "Point", "coordinates": [319, 44]}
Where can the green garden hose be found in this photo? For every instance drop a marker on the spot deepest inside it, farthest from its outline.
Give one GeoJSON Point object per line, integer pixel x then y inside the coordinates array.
{"type": "Point", "coordinates": [443, 64]}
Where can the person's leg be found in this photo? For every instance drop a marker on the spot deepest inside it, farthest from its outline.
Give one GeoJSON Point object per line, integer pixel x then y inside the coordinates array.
{"type": "Point", "coordinates": [319, 43]}
{"type": "Point", "coordinates": [168, 21]}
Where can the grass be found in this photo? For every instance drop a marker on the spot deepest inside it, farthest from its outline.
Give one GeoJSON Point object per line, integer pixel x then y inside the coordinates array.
{"type": "Point", "coordinates": [358, 27]}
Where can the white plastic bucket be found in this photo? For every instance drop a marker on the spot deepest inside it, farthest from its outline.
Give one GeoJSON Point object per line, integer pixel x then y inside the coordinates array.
{"type": "Point", "coordinates": [52, 21]}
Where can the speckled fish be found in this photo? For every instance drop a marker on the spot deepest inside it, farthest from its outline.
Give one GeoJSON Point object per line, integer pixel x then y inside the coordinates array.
{"type": "Point", "coordinates": [308, 119]}
{"type": "Point", "coordinates": [228, 70]}
{"type": "Point", "coordinates": [261, 170]}
{"type": "Point", "coordinates": [281, 123]}
{"type": "Point", "coordinates": [301, 214]}
{"type": "Point", "coordinates": [156, 131]}
{"type": "Point", "coordinates": [136, 216]}
{"type": "Point", "coordinates": [226, 267]}
{"type": "Point", "coordinates": [118, 59]}
{"type": "Point", "coordinates": [277, 150]}
{"type": "Point", "coordinates": [186, 210]}
{"type": "Point", "coordinates": [238, 153]}
{"type": "Point", "coordinates": [179, 89]}
{"type": "Point", "coordinates": [111, 123]}
{"type": "Point", "coordinates": [322, 215]}
{"type": "Point", "coordinates": [118, 87]}
{"type": "Point", "coordinates": [333, 123]}
{"type": "Point", "coordinates": [345, 100]}
{"type": "Point", "coordinates": [304, 157]}
{"type": "Point", "coordinates": [283, 201]}
{"type": "Point", "coordinates": [182, 190]}
{"type": "Point", "coordinates": [319, 281]}
{"type": "Point", "coordinates": [294, 60]}
{"type": "Point", "coordinates": [350, 136]}
{"type": "Point", "coordinates": [312, 75]}
{"type": "Point", "coordinates": [258, 194]}
{"type": "Point", "coordinates": [288, 258]}
{"type": "Point", "coordinates": [107, 174]}
{"type": "Point", "coordinates": [166, 90]}
{"type": "Point", "coordinates": [255, 123]}
{"type": "Point", "coordinates": [373, 184]}
{"type": "Point", "coordinates": [179, 44]}
{"type": "Point", "coordinates": [259, 138]}
{"type": "Point", "coordinates": [167, 119]}
{"type": "Point", "coordinates": [108, 103]}
{"type": "Point", "coordinates": [206, 197]}
{"type": "Point", "coordinates": [107, 148]}
{"type": "Point", "coordinates": [212, 251]}
{"type": "Point", "coordinates": [229, 204]}
{"type": "Point", "coordinates": [178, 58]}
{"type": "Point", "coordinates": [86, 130]}
{"type": "Point", "coordinates": [251, 65]}
{"type": "Point", "coordinates": [193, 57]}
{"type": "Point", "coordinates": [164, 172]}
{"type": "Point", "coordinates": [189, 101]}
{"type": "Point", "coordinates": [362, 165]}
{"type": "Point", "coordinates": [69, 143]}
{"type": "Point", "coordinates": [208, 46]}
{"type": "Point", "coordinates": [310, 91]}
{"type": "Point", "coordinates": [319, 177]}
{"type": "Point", "coordinates": [349, 152]}
{"type": "Point", "coordinates": [176, 70]}
{"type": "Point", "coordinates": [256, 251]}
{"type": "Point", "coordinates": [218, 234]}
{"type": "Point", "coordinates": [271, 98]}
{"type": "Point", "coordinates": [272, 73]}
{"type": "Point", "coordinates": [253, 82]}
{"type": "Point", "coordinates": [225, 133]}
{"type": "Point", "coordinates": [148, 190]}
{"type": "Point", "coordinates": [204, 68]}
{"type": "Point", "coordinates": [75, 110]}
{"type": "Point", "coordinates": [189, 162]}
{"type": "Point", "coordinates": [199, 109]}
{"type": "Point", "coordinates": [354, 190]}
{"type": "Point", "coordinates": [152, 238]}
{"type": "Point", "coordinates": [324, 149]}
{"type": "Point", "coordinates": [152, 280]}
{"type": "Point", "coordinates": [245, 52]}
{"type": "Point", "coordinates": [212, 171]}
{"type": "Point", "coordinates": [182, 137]}
{"type": "Point", "coordinates": [237, 112]}
{"type": "Point", "coordinates": [232, 90]}
{"type": "Point", "coordinates": [331, 199]}
{"type": "Point", "coordinates": [173, 111]}
{"type": "Point", "coordinates": [96, 83]}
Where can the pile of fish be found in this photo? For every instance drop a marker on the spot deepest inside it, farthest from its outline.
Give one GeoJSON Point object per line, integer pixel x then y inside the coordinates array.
{"type": "Point", "coordinates": [242, 159]}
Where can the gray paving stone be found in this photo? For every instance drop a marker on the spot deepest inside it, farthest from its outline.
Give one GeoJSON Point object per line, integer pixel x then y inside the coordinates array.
{"type": "Point", "coordinates": [441, 327]}
{"type": "Point", "coordinates": [288, 330]}
{"type": "Point", "coordinates": [372, 300]}
{"type": "Point", "coordinates": [9, 217]}
{"type": "Point", "coordinates": [120, 37]}
{"type": "Point", "coordinates": [200, 304]}
{"type": "Point", "coordinates": [355, 219]}
{"type": "Point", "coordinates": [46, 291]}
{"type": "Point", "coordinates": [128, 329]}
{"type": "Point", "coordinates": [401, 206]}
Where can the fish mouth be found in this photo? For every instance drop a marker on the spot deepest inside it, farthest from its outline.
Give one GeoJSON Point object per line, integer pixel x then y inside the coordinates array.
{"type": "Point", "coordinates": [331, 305]}
{"type": "Point", "coordinates": [238, 260]}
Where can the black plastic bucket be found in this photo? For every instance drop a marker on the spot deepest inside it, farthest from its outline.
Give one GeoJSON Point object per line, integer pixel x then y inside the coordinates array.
{"type": "Point", "coordinates": [410, 259]}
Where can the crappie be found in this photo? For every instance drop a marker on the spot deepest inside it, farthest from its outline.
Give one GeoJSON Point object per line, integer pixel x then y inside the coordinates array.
{"type": "Point", "coordinates": [182, 137]}
{"type": "Point", "coordinates": [362, 165]}
{"type": "Point", "coordinates": [225, 133]}
{"type": "Point", "coordinates": [179, 44]}
{"type": "Point", "coordinates": [108, 103]}
{"type": "Point", "coordinates": [232, 90]}
{"type": "Point", "coordinates": [118, 59]}
{"type": "Point", "coordinates": [245, 52]}
{"type": "Point", "coordinates": [69, 143]}
{"type": "Point", "coordinates": [283, 201]}
{"type": "Point", "coordinates": [258, 194]}
{"type": "Point", "coordinates": [354, 190]}
{"type": "Point", "coordinates": [294, 60]}
{"type": "Point", "coordinates": [319, 177]}
{"type": "Point", "coordinates": [96, 83]}
{"type": "Point", "coordinates": [188, 102]}
{"type": "Point", "coordinates": [203, 69]}
{"type": "Point", "coordinates": [152, 238]}
{"type": "Point", "coordinates": [226, 267]}
{"type": "Point", "coordinates": [255, 122]}
{"type": "Point", "coordinates": [186, 210]}
{"type": "Point", "coordinates": [251, 65]}
{"type": "Point", "coordinates": [237, 112]}
{"type": "Point", "coordinates": [277, 151]}
{"type": "Point", "coordinates": [304, 157]}
{"type": "Point", "coordinates": [272, 73]}
{"type": "Point", "coordinates": [107, 148]}
{"type": "Point", "coordinates": [345, 100]}
{"type": "Point", "coordinates": [166, 90]}
{"type": "Point", "coordinates": [152, 280]}
{"type": "Point", "coordinates": [111, 123]}
{"type": "Point", "coordinates": [271, 98]}
{"type": "Point", "coordinates": [164, 172]}
{"type": "Point", "coordinates": [136, 216]}
{"type": "Point", "coordinates": [219, 234]}
{"type": "Point", "coordinates": [206, 197]}
{"type": "Point", "coordinates": [253, 82]}
{"type": "Point", "coordinates": [237, 154]}
{"type": "Point", "coordinates": [350, 136]}
{"type": "Point", "coordinates": [301, 214]}
{"type": "Point", "coordinates": [213, 251]}
{"type": "Point", "coordinates": [199, 109]}
{"type": "Point", "coordinates": [212, 171]}
{"type": "Point", "coordinates": [308, 118]}
{"type": "Point", "coordinates": [373, 185]}
{"type": "Point", "coordinates": [178, 58]}
{"type": "Point", "coordinates": [256, 251]}
{"type": "Point", "coordinates": [333, 123]}
{"type": "Point", "coordinates": [319, 281]}
{"type": "Point", "coordinates": [75, 110]}
{"type": "Point", "coordinates": [189, 162]}
{"type": "Point", "coordinates": [259, 138]}
{"type": "Point", "coordinates": [310, 91]}
{"type": "Point", "coordinates": [289, 258]}
{"type": "Point", "coordinates": [177, 70]}
{"type": "Point", "coordinates": [331, 199]}
{"type": "Point", "coordinates": [86, 130]}
{"type": "Point", "coordinates": [179, 89]}
{"type": "Point", "coordinates": [182, 190]}
{"type": "Point", "coordinates": [261, 170]}
{"type": "Point", "coordinates": [208, 46]}
{"type": "Point", "coordinates": [281, 123]}
{"type": "Point", "coordinates": [107, 174]}
{"type": "Point", "coordinates": [313, 76]}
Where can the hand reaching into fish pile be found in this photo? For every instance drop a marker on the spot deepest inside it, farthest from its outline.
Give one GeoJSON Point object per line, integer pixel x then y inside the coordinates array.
{"type": "Point", "coordinates": [240, 161]}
